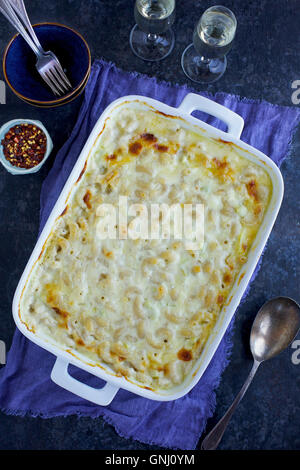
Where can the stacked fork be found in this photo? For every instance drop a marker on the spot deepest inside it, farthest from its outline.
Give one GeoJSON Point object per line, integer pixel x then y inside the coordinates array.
{"type": "Point", "coordinates": [48, 65]}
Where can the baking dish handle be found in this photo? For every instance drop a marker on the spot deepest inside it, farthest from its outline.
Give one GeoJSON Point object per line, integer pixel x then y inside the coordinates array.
{"type": "Point", "coordinates": [193, 102]}
{"type": "Point", "coordinates": [61, 377]}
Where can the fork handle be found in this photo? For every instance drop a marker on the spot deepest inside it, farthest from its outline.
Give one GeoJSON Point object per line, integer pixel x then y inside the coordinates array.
{"type": "Point", "coordinates": [19, 7]}
{"type": "Point", "coordinates": [7, 10]}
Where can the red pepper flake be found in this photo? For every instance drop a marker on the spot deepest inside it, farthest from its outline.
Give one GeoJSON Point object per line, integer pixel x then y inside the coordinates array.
{"type": "Point", "coordinates": [149, 138]}
{"type": "Point", "coordinates": [80, 342]}
{"type": "Point", "coordinates": [87, 199]}
{"type": "Point", "coordinates": [185, 355]}
{"type": "Point", "coordinates": [135, 148]}
{"type": "Point", "coordinates": [161, 148]}
{"type": "Point", "coordinates": [24, 145]}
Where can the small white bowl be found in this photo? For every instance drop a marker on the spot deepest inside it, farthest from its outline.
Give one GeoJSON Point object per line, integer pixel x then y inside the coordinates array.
{"type": "Point", "coordinates": [14, 170]}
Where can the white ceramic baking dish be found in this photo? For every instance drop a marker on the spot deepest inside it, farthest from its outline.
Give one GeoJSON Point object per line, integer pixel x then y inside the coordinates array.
{"type": "Point", "coordinates": [106, 394]}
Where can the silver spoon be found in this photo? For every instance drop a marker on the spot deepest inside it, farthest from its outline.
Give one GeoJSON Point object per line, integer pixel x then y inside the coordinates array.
{"type": "Point", "coordinates": [275, 326]}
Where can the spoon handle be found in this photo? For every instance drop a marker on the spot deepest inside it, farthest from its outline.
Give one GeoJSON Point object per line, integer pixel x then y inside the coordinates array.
{"type": "Point", "coordinates": [20, 9]}
{"type": "Point", "coordinates": [7, 10]}
{"type": "Point", "coordinates": [213, 439]}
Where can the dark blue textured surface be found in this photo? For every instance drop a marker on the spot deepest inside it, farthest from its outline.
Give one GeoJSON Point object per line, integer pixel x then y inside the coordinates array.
{"type": "Point", "coordinates": [20, 60]}
{"type": "Point", "coordinates": [262, 65]}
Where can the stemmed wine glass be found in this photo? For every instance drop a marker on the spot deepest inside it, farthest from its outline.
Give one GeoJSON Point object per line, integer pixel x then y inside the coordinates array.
{"type": "Point", "coordinates": [152, 38]}
{"type": "Point", "coordinates": [204, 61]}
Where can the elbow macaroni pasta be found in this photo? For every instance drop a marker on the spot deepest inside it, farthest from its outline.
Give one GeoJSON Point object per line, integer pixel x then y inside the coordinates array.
{"type": "Point", "coordinates": [145, 308]}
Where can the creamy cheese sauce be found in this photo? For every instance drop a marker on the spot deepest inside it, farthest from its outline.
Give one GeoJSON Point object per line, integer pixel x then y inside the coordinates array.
{"type": "Point", "coordinates": [146, 308]}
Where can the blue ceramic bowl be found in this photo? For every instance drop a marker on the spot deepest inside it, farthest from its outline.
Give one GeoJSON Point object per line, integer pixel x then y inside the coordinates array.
{"type": "Point", "coordinates": [19, 64]}
{"type": "Point", "coordinates": [65, 101]}
{"type": "Point", "coordinates": [23, 171]}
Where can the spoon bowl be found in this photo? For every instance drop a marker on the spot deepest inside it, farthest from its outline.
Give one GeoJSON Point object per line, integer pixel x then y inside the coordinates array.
{"type": "Point", "coordinates": [274, 328]}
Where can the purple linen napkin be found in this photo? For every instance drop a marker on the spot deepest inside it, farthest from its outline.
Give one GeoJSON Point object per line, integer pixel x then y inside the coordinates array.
{"type": "Point", "coordinates": [25, 384]}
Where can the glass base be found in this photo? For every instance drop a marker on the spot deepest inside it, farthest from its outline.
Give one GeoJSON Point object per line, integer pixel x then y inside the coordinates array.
{"type": "Point", "coordinates": [202, 71]}
{"type": "Point", "coordinates": [151, 47]}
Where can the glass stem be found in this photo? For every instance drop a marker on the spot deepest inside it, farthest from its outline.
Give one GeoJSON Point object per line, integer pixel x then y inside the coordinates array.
{"type": "Point", "coordinates": [205, 60]}
{"type": "Point", "coordinates": [151, 37]}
